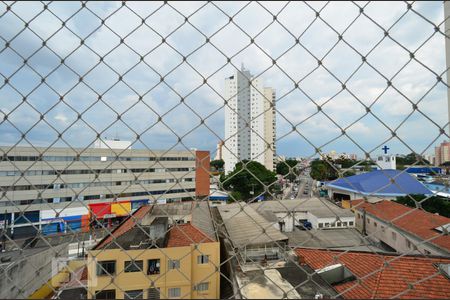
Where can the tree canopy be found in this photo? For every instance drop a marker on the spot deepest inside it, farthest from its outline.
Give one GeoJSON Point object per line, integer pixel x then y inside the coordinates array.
{"type": "Point", "coordinates": [253, 177]}
{"type": "Point", "coordinates": [433, 204]}
{"type": "Point", "coordinates": [411, 159]}
{"type": "Point", "coordinates": [217, 164]}
{"type": "Point", "coordinates": [288, 169]}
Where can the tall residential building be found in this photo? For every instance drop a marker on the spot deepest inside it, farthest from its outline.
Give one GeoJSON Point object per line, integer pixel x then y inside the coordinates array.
{"type": "Point", "coordinates": [64, 189]}
{"type": "Point", "coordinates": [249, 121]}
{"type": "Point", "coordinates": [442, 153]}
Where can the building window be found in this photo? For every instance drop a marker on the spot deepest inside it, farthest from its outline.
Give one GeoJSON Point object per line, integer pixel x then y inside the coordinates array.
{"type": "Point", "coordinates": [174, 292]}
{"type": "Point", "coordinates": [320, 225]}
{"type": "Point", "coordinates": [338, 224]}
{"type": "Point", "coordinates": [154, 294]}
{"type": "Point", "coordinates": [344, 224]}
{"type": "Point", "coordinates": [201, 287]}
{"type": "Point", "coordinates": [359, 216]}
{"type": "Point", "coordinates": [153, 266]}
{"type": "Point", "coordinates": [202, 259]}
{"type": "Point", "coordinates": [134, 294]}
{"type": "Point", "coordinates": [133, 266]}
{"type": "Point", "coordinates": [408, 243]}
{"type": "Point", "coordinates": [375, 224]}
{"type": "Point", "coordinates": [174, 264]}
{"type": "Point", "coordinates": [107, 267]}
{"type": "Point", "coordinates": [105, 294]}
{"type": "Point", "coordinates": [394, 236]}
{"type": "Point", "coordinates": [327, 224]}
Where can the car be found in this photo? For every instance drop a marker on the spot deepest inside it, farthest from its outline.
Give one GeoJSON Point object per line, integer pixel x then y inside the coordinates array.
{"type": "Point", "coordinates": [292, 197]}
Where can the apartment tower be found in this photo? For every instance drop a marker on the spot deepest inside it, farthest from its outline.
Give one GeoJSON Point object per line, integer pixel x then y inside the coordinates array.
{"type": "Point", "coordinates": [249, 121]}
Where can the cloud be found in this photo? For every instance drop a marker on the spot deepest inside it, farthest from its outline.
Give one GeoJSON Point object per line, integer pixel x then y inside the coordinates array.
{"type": "Point", "coordinates": [115, 69]}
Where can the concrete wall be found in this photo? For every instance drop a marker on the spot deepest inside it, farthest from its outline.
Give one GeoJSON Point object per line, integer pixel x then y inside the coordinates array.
{"type": "Point", "coordinates": [28, 272]}
{"type": "Point", "coordinates": [397, 239]}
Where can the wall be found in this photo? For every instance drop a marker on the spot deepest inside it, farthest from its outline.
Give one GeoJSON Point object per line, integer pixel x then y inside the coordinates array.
{"type": "Point", "coordinates": [202, 169]}
{"type": "Point", "coordinates": [381, 231]}
{"type": "Point", "coordinates": [188, 274]}
{"type": "Point", "coordinates": [22, 273]}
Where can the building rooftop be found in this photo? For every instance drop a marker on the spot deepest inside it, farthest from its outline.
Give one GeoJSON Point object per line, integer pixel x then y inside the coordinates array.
{"type": "Point", "coordinates": [246, 227]}
{"type": "Point", "coordinates": [185, 235]}
{"type": "Point", "coordinates": [145, 230]}
{"type": "Point", "coordinates": [388, 183]}
{"type": "Point", "coordinates": [320, 208]}
{"type": "Point", "coordinates": [412, 220]}
{"type": "Point", "coordinates": [383, 276]}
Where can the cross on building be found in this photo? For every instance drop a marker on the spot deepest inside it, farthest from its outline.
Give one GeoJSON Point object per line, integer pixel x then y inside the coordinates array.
{"type": "Point", "coordinates": [385, 149]}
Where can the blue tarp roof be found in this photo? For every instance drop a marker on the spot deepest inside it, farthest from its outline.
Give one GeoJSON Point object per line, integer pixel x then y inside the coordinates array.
{"type": "Point", "coordinates": [379, 183]}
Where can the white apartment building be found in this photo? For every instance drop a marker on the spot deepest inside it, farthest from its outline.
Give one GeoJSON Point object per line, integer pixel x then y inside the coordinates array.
{"type": "Point", "coordinates": [249, 121]}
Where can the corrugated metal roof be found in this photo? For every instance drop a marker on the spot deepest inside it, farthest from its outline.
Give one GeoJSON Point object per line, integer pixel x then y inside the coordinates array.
{"type": "Point", "coordinates": [320, 208]}
{"type": "Point", "coordinates": [245, 226]}
{"type": "Point", "coordinates": [201, 218]}
{"type": "Point", "coordinates": [381, 182]}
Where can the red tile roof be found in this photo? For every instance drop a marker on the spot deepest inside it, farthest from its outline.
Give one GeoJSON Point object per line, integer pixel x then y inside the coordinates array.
{"type": "Point", "coordinates": [129, 223]}
{"type": "Point", "coordinates": [383, 281]}
{"type": "Point", "coordinates": [416, 221]}
{"type": "Point", "coordinates": [185, 235]}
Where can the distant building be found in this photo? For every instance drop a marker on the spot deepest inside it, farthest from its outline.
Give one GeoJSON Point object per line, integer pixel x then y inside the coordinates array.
{"type": "Point", "coordinates": [386, 162]}
{"type": "Point", "coordinates": [249, 121]}
{"type": "Point", "coordinates": [402, 228]}
{"type": "Point", "coordinates": [367, 275]}
{"type": "Point", "coordinates": [442, 153]}
{"type": "Point", "coordinates": [111, 144]}
{"type": "Point", "coordinates": [70, 189]}
{"type": "Point", "coordinates": [219, 149]}
{"type": "Point", "coordinates": [150, 256]}
{"type": "Point", "coordinates": [386, 184]}
{"type": "Point", "coordinates": [287, 214]}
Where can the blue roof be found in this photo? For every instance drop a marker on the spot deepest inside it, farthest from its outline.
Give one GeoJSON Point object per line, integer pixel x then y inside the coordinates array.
{"type": "Point", "coordinates": [422, 170]}
{"type": "Point", "coordinates": [378, 183]}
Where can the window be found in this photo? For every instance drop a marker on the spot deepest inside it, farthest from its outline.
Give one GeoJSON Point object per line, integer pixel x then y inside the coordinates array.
{"type": "Point", "coordinates": [174, 292]}
{"type": "Point", "coordinates": [382, 228]}
{"type": "Point", "coordinates": [133, 266]}
{"type": "Point", "coordinates": [344, 224]}
{"type": "Point", "coordinates": [174, 264]}
{"type": "Point", "coordinates": [394, 236]}
{"type": "Point", "coordinates": [105, 294]}
{"type": "Point", "coordinates": [134, 294]}
{"type": "Point", "coordinates": [375, 224]}
{"type": "Point", "coordinates": [327, 224]}
{"type": "Point", "coordinates": [202, 259]}
{"type": "Point", "coordinates": [408, 243]}
{"type": "Point", "coordinates": [338, 224]}
{"type": "Point", "coordinates": [350, 223]}
{"type": "Point", "coordinates": [320, 225]}
{"type": "Point", "coordinates": [201, 287]}
{"type": "Point", "coordinates": [153, 267]}
{"type": "Point", "coordinates": [154, 294]}
{"type": "Point", "coordinates": [107, 267]}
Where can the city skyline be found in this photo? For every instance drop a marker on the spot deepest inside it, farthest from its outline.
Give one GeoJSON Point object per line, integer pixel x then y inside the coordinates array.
{"type": "Point", "coordinates": [182, 120]}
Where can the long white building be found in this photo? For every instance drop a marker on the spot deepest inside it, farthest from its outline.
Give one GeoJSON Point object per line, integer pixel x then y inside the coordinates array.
{"type": "Point", "coordinates": [249, 121]}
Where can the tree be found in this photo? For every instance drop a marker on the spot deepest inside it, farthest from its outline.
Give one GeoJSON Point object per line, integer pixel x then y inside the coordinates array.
{"type": "Point", "coordinates": [434, 204]}
{"type": "Point", "coordinates": [288, 169]}
{"type": "Point", "coordinates": [321, 170]}
{"type": "Point", "coordinates": [217, 164]}
{"type": "Point", "coordinates": [248, 177]}
{"type": "Point", "coordinates": [411, 159]}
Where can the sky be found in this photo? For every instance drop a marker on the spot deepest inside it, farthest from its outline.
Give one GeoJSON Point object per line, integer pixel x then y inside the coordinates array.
{"type": "Point", "coordinates": [156, 57]}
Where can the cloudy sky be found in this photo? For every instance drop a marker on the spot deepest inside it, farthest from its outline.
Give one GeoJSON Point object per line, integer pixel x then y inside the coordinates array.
{"type": "Point", "coordinates": [132, 65]}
